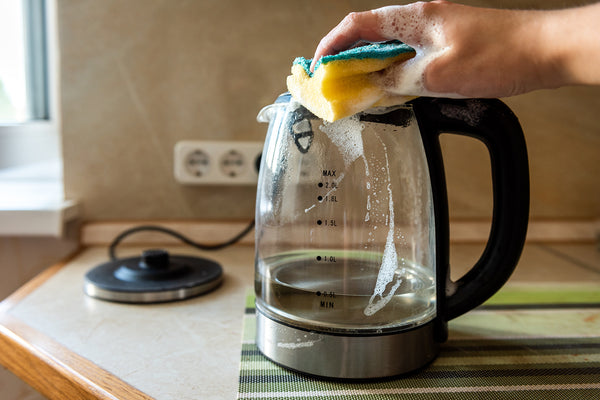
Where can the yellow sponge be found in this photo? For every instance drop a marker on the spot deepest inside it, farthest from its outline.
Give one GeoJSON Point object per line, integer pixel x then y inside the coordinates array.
{"type": "Point", "coordinates": [343, 84]}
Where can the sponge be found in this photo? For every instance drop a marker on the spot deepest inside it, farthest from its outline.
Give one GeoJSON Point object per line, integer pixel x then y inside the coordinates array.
{"type": "Point", "coordinates": [345, 83]}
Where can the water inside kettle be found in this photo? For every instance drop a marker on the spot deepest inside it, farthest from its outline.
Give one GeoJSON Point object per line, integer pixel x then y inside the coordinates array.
{"type": "Point", "coordinates": [337, 298]}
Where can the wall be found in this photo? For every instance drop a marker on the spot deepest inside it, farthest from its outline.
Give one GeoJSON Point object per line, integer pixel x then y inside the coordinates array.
{"type": "Point", "coordinates": [140, 75]}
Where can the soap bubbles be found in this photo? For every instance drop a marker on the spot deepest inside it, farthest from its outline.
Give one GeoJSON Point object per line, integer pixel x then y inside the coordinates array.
{"type": "Point", "coordinates": [411, 25]}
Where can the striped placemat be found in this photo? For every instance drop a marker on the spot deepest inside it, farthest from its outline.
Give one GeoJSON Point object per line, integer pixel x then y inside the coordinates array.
{"type": "Point", "coordinates": [527, 342]}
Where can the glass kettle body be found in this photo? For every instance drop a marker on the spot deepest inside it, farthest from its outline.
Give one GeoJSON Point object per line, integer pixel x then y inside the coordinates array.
{"type": "Point", "coordinates": [351, 261]}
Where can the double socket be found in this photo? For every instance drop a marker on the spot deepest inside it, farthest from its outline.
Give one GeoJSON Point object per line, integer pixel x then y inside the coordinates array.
{"type": "Point", "coordinates": [199, 162]}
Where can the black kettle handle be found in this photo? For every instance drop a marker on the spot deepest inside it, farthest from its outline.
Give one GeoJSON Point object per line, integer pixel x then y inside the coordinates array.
{"type": "Point", "coordinates": [493, 123]}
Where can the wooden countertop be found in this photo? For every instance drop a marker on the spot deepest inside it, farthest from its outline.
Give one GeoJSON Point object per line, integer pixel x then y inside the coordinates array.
{"type": "Point", "coordinates": [67, 345]}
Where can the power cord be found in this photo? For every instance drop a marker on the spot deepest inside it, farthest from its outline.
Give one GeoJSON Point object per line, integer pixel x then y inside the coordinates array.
{"type": "Point", "coordinates": [184, 239]}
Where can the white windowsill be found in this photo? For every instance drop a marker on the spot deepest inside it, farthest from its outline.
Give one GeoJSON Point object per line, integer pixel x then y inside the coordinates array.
{"type": "Point", "coordinates": [32, 201]}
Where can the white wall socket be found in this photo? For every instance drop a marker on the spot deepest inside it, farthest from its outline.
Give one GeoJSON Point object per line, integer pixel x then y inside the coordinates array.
{"type": "Point", "coordinates": [199, 162]}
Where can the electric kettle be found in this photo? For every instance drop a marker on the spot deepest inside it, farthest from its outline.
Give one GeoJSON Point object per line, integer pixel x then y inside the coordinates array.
{"type": "Point", "coordinates": [352, 276]}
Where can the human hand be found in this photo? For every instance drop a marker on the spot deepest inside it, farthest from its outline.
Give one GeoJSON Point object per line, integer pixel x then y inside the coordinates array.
{"type": "Point", "coordinates": [461, 51]}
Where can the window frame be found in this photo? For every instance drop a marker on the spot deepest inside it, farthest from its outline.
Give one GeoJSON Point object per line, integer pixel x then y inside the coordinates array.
{"type": "Point", "coordinates": [36, 140]}
{"type": "Point", "coordinates": [32, 200]}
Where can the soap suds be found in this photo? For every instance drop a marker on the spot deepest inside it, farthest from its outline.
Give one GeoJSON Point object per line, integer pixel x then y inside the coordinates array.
{"type": "Point", "coordinates": [389, 261]}
{"type": "Point", "coordinates": [345, 134]}
{"type": "Point", "coordinates": [411, 26]}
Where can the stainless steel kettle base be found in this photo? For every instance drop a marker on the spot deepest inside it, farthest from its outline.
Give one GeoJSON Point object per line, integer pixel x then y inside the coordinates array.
{"type": "Point", "coordinates": [345, 357]}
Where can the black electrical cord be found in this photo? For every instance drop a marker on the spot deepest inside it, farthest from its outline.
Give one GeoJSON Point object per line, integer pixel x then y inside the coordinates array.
{"type": "Point", "coordinates": [184, 239]}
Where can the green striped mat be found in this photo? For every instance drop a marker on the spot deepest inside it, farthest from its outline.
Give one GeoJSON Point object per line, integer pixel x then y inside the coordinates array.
{"type": "Point", "coordinates": [527, 342]}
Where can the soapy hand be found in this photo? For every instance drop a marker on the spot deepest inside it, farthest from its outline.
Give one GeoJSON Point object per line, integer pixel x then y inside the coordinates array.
{"type": "Point", "coordinates": [467, 51]}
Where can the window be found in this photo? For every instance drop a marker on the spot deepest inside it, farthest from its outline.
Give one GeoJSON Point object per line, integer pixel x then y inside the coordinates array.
{"type": "Point", "coordinates": [31, 188]}
{"type": "Point", "coordinates": [23, 72]}
{"type": "Point", "coordinates": [28, 126]}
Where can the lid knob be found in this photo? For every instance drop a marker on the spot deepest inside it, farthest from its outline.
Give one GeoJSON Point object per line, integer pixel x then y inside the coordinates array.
{"type": "Point", "coordinates": [154, 259]}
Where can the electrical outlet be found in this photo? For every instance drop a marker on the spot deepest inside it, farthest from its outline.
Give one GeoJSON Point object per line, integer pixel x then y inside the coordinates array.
{"type": "Point", "coordinates": [217, 163]}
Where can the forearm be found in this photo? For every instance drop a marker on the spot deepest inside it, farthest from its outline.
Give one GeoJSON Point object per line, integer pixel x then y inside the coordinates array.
{"type": "Point", "coordinates": [498, 53]}
{"type": "Point", "coordinates": [573, 40]}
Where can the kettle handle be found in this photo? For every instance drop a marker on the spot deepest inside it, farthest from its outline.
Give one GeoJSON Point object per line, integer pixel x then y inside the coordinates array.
{"type": "Point", "coordinates": [493, 123]}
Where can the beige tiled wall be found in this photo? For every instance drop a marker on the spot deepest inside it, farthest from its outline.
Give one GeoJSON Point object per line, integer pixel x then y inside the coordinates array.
{"type": "Point", "coordinates": [140, 75]}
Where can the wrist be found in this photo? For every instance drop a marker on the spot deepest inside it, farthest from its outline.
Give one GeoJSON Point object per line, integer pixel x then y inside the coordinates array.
{"type": "Point", "coordinates": [557, 50]}
{"type": "Point", "coordinates": [572, 47]}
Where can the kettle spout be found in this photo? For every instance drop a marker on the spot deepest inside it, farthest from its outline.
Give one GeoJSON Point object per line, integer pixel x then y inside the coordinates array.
{"type": "Point", "coordinates": [267, 113]}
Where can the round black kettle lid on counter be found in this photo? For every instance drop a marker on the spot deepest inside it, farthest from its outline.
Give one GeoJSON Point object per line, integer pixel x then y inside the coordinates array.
{"type": "Point", "coordinates": [154, 277]}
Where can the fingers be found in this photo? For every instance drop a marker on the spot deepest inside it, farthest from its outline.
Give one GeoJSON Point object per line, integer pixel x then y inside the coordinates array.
{"type": "Point", "coordinates": [412, 24]}
{"type": "Point", "coordinates": [353, 28]}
